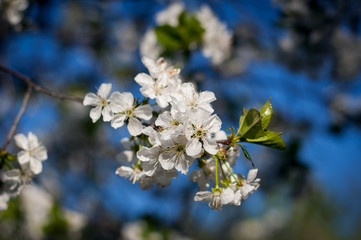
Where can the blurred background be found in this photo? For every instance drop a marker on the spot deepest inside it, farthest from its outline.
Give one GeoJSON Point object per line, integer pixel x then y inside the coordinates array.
{"type": "Point", "coordinates": [304, 54]}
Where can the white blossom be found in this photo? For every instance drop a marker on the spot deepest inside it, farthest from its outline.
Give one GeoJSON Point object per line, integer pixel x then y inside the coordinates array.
{"type": "Point", "coordinates": [199, 130]}
{"type": "Point", "coordinates": [161, 82]}
{"type": "Point", "coordinates": [174, 155]}
{"type": "Point", "coordinates": [149, 45]}
{"type": "Point", "coordinates": [251, 184]}
{"type": "Point", "coordinates": [172, 123]}
{"type": "Point", "coordinates": [214, 199]}
{"type": "Point", "coordinates": [12, 182]}
{"type": "Point", "coordinates": [133, 174]}
{"type": "Point", "coordinates": [170, 15]}
{"type": "Point", "coordinates": [188, 98]}
{"type": "Point", "coordinates": [217, 39]}
{"type": "Point", "coordinates": [100, 102]}
{"type": "Point", "coordinates": [125, 110]}
{"type": "Point", "coordinates": [33, 152]}
{"type": "Point", "coordinates": [204, 174]}
{"type": "Point", "coordinates": [150, 159]}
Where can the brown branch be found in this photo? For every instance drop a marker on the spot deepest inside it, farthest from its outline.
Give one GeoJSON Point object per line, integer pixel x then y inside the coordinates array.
{"type": "Point", "coordinates": [225, 142]}
{"type": "Point", "coordinates": [18, 117]}
{"type": "Point", "coordinates": [37, 87]}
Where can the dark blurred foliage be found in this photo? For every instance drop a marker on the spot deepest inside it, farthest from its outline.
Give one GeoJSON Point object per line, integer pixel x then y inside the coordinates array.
{"type": "Point", "coordinates": [73, 46]}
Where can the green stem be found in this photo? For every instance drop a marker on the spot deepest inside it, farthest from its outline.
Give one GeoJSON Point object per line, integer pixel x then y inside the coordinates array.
{"type": "Point", "coordinates": [216, 160]}
{"type": "Point", "coordinates": [224, 175]}
{"type": "Point", "coordinates": [230, 171]}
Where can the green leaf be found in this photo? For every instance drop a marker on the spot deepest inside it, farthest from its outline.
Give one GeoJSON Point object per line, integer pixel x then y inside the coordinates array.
{"type": "Point", "coordinates": [245, 153]}
{"type": "Point", "coordinates": [269, 139]}
{"type": "Point", "coordinates": [169, 37]}
{"type": "Point", "coordinates": [266, 112]}
{"type": "Point", "coordinates": [251, 126]}
{"type": "Point", "coordinates": [241, 119]}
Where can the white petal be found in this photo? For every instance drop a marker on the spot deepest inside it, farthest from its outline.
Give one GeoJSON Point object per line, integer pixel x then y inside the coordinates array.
{"type": "Point", "coordinates": [107, 114]}
{"type": "Point", "coordinates": [150, 64]}
{"type": "Point", "coordinates": [181, 164]}
{"type": "Point", "coordinates": [252, 174]}
{"type": "Point", "coordinates": [164, 119]}
{"type": "Point", "coordinates": [104, 90]}
{"type": "Point", "coordinates": [237, 198]}
{"type": "Point", "coordinates": [162, 102]}
{"type": "Point", "coordinates": [245, 190]}
{"type": "Point", "coordinates": [214, 124]}
{"type": "Point", "coordinates": [148, 169]}
{"type": "Point", "coordinates": [21, 141]}
{"type": "Point", "coordinates": [40, 153]}
{"type": "Point", "coordinates": [119, 102]}
{"type": "Point", "coordinates": [207, 97]}
{"type": "Point", "coordinates": [203, 196]}
{"type": "Point", "coordinates": [188, 90]}
{"type": "Point", "coordinates": [148, 92]}
{"type": "Point", "coordinates": [144, 112]}
{"type": "Point", "coordinates": [207, 107]}
{"type": "Point", "coordinates": [193, 147]}
{"type": "Point", "coordinates": [125, 156]}
{"type": "Point", "coordinates": [144, 80]}
{"type": "Point", "coordinates": [118, 121]}
{"type": "Point", "coordinates": [33, 141]}
{"type": "Point", "coordinates": [144, 154]}
{"type": "Point", "coordinates": [95, 113]}
{"type": "Point", "coordinates": [23, 157]}
{"type": "Point", "coordinates": [135, 127]}
{"type": "Point", "coordinates": [36, 166]}
{"type": "Point", "coordinates": [210, 146]}
{"type": "Point", "coordinates": [124, 171]}
{"type": "Point", "coordinates": [227, 196]}
{"type": "Point", "coordinates": [167, 160]}
{"type": "Point", "coordinates": [91, 99]}
{"type": "Point", "coordinates": [220, 135]}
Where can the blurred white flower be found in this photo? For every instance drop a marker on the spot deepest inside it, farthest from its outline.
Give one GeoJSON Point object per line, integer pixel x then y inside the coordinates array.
{"type": "Point", "coordinates": [149, 45]}
{"type": "Point", "coordinates": [14, 10]}
{"type": "Point", "coordinates": [217, 40]}
{"type": "Point", "coordinates": [4, 198]}
{"type": "Point", "coordinates": [170, 15]}
{"type": "Point", "coordinates": [33, 152]}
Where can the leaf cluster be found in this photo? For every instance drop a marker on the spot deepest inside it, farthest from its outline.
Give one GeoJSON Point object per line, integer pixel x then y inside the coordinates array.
{"type": "Point", "coordinates": [253, 128]}
{"type": "Point", "coordinates": [180, 37]}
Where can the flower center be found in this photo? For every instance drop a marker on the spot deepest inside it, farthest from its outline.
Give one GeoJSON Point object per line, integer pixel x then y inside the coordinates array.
{"type": "Point", "coordinates": [129, 113]}
{"type": "Point", "coordinates": [199, 133]}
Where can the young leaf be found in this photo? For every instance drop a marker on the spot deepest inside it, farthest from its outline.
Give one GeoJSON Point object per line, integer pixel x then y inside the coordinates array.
{"type": "Point", "coordinates": [269, 139]}
{"type": "Point", "coordinates": [245, 153]}
{"type": "Point", "coordinates": [251, 126]}
{"type": "Point", "coordinates": [241, 119]}
{"type": "Point", "coordinates": [266, 112]}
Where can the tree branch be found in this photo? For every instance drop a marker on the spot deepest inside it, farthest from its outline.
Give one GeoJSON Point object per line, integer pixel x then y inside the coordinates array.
{"type": "Point", "coordinates": [37, 87]}
{"type": "Point", "coordinates": [18, 117]}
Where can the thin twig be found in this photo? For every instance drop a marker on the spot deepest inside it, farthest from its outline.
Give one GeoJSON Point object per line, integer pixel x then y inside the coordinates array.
{"type": "Point", "coordinates": [37, 87]}
{"type": "Point", "coordinates": [18, 117]}
{"type": "Point", "coordinates": [225, 142]}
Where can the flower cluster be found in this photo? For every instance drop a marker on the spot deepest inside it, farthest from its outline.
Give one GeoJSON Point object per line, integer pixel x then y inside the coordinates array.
{"type": "Point", "coordinates": [180, 130]}
{"type": "Point", "coordinates": [13, 178]}
{"type": "Point", "coordinates": [215, 40]}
